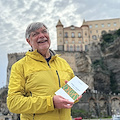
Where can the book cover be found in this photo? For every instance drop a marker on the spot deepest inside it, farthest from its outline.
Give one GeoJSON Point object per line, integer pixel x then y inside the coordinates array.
{"type": "Point", "coordinates": [73, 89]}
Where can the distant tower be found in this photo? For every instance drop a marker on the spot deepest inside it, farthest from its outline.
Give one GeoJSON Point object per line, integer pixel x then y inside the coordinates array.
{"type": "Point", "coordinates": [60, 39]}
{"type": "Point", "coordinates": [85, 37]}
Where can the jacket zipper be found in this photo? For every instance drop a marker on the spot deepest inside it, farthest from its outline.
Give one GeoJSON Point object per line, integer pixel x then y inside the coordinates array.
{"type": "Point", "coordinates": [34, 113]}
{"type": "Point", "coordinates": [58, 78]}
{"type": "Point", "coordinates": [33, 116]}
{"type": "Point", "coordinates": [57, 74]}
{"type": "Point", "coordinates": [59, 86]}
{"type": "Point", "coordinates": [48, 64]}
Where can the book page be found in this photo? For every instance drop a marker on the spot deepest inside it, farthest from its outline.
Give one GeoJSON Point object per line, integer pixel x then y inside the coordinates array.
{"type": "Point", "coordinates": [73, 89]}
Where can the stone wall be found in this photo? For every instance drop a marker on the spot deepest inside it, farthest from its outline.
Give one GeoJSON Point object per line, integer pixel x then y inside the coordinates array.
{"type": "Point", "coordinates": [99, 104]}
{"type": "Point", "coordinates": [12, 58]}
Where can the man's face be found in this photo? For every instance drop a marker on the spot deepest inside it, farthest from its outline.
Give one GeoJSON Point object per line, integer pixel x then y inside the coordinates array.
{"type": "Point", "coordinates": [39, 39]}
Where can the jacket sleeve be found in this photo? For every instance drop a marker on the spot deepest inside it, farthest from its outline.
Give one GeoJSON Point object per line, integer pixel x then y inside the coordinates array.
{"type": "Point", "coordinates": [17, 102]}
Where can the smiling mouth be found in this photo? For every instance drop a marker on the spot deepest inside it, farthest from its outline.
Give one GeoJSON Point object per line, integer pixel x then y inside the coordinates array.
{"type": "Point", "coordinates": [42, 41]}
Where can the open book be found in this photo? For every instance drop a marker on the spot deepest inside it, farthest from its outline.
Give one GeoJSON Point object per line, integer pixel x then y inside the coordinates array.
{"type": "Point", "coordinates": [73, 89]}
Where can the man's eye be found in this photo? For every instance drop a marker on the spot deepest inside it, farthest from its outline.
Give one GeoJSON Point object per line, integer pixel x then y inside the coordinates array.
{"type": "Point", "coordinates": [44, 31]}
{"type": "Point", "coordinates": [35, 34]}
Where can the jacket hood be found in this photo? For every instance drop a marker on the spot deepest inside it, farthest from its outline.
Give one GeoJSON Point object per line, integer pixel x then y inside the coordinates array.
{"type": "Point", "coordinates": [37, 56]}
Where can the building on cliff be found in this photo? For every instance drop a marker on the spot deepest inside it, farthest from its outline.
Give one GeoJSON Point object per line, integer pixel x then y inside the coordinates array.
{"type": "Point", "coordinates": [75, 38]}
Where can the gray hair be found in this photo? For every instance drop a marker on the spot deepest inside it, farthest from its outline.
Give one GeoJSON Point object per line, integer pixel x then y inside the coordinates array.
{"type": "Point", "coordinates": [33, 27]}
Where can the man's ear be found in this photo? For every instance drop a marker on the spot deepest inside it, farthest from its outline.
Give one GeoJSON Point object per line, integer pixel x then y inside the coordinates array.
{"type": "Point", "coordinates": [28, 41]}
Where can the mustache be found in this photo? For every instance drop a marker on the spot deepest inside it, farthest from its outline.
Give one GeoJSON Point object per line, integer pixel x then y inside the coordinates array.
{"type": "Point", "coordinates": [41, 40]}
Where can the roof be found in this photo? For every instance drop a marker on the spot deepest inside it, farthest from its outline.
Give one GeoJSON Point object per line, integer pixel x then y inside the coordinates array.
{"type": "Point", "coordinates": [59, 24]}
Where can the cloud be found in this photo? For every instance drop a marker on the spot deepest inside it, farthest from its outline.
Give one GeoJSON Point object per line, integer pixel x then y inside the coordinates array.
{"type": "Point", "coordinates": [95, 10]}
{"type": "Point", "coordinates": [17, 14]}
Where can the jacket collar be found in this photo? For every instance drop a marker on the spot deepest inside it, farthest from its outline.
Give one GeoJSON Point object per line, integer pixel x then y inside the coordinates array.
{"type": "Point", "coordinates": [37, 56]}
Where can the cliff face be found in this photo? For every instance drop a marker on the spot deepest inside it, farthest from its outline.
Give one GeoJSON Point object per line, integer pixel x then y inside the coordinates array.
{"type": "Point", "coordinates": [106, 65]}
{"type": "Point", "coordinates": [112, 61]}
{"type": "Point", "coordinates": [85, 72]}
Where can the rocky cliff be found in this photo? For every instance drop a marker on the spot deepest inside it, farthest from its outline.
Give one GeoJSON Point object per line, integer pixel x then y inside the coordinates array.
{"type": "Point", "coordinates": [105, 59]}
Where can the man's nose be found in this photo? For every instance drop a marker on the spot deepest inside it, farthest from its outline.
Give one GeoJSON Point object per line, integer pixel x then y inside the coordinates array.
{"type": "Point", "coordinates": [41, 34]}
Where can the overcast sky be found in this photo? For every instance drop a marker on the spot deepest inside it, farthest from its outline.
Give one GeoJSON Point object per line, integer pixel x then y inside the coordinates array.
{"type": "Point", "coordinates": [15, 15]}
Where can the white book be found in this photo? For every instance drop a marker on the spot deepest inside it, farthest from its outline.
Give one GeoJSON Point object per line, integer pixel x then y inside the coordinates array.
{"type": "Point", "coordinates": [73, 89]}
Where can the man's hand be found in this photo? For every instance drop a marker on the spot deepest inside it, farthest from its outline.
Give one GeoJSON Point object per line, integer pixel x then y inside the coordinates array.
{"type": "Point", "coordinates": [60, 102]}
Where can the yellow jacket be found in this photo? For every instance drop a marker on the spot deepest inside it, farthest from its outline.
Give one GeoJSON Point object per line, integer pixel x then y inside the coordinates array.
{"type": "Point", "coordinates": [33, 83]}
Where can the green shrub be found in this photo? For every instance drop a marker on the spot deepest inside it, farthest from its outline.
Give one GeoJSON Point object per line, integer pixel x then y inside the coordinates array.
{"type": "Point", "coordinates": [100, 63]}
{"type": "Point", "coordinates": [113, 83]}
{"type": "Point", "coordinates": [117, 32]}
{"type": "Point", "coordinates": [108, 38]}
{"type": "Point", "coordinates": [79, 113]}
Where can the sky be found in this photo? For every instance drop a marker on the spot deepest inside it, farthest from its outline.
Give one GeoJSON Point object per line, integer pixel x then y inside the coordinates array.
{"type": "Point", "coordinates": [16, 15]}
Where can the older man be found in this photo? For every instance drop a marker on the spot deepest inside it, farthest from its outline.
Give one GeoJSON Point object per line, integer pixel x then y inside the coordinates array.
{"type": "Point", "coordinates": [35, 78]}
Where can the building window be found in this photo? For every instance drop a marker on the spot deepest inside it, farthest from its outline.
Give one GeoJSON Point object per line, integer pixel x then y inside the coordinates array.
{"type": "Point", "coordinates": [79, 34]}
{"type": "Point", "coordinates": [60, 34]}
{"type": "Point", "coordinates": [73, 35]}
{"type": "Point", "coordinates": [80, 41]}
{"type": "Point", "coordinates": [6, 118]}
{"type": "Point", "coordinates": [67, 48]}
{"type": "Point", "coordinates": [94, 37]}
{"type": "Point", "coordinates": [96, 25]}
{"type": "Point", "coordinates": [81, 48]}
{"type": "Point", "coordinates": [72, 27]}
{"type": "Point", "coordinates": [86, 48]}
{"type": "Point", "coordinates": [102, 25]}
{"type": "Point", "coordinates": [85, 33]}
{"type": "Point", "coordinates": [66, 35]}
{"type": "Point", "coordinates": [71, 48]}
{"type": "Point", "coordinates": [78, 48]}
{"type": "Point", "coordinates": [96, 31]}
{"type": "Point", "coordinates": [91, 32]}
{"type": "Point", "coordinates": [115, 24]}
{"type": "Point", "coordinates": [108, 24]}
{"type": "Point", "coordinates": [90, 26]}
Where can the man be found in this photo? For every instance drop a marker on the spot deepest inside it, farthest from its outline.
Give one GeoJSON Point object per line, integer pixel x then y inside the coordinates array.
{"type": "Point", "coordinates": [35, 78]}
